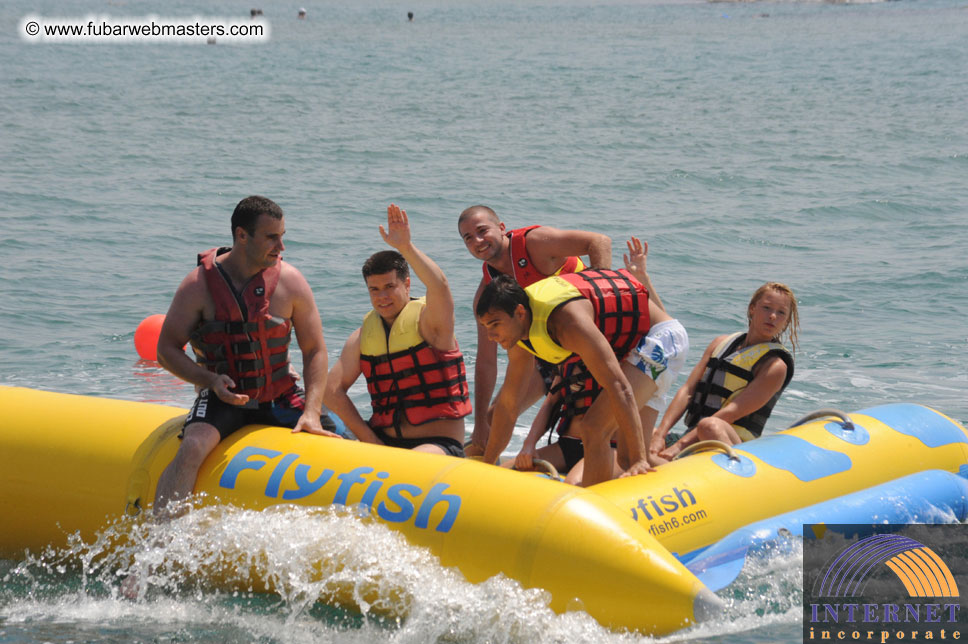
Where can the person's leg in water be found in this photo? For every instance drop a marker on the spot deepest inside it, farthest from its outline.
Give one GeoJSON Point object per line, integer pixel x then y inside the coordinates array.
{"type": "Point", "coordinates": [176, 484]}
{"type": "Point", "coordinates": [178, 479]}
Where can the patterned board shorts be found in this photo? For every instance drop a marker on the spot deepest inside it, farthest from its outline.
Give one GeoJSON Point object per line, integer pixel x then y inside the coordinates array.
{"type": "Point", "coordinates": [661, 355]}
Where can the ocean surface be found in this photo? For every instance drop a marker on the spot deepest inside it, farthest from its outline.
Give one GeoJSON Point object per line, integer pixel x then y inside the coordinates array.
{"type": "Point", "coordinates": [823, 145]}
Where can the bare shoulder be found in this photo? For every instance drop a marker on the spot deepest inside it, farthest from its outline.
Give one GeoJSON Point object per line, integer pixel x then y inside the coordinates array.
{"type": "Point", "coordinates": [193, 287]}
{"type": "Point", "coordinates": [715, 343]}
{"type": "Point", "coordinates": [572, 323]}
{"type": "Point", "coordinates": [477, 293]}
{"type": "Point", "coordinates": [293, 281]}
{"type": "Point", "coordinates": [550, 234]}
{"type": "Point", "coordinates": [190, 304]}
{"type": "Point", "coordinates": [351, 348]}
{"type": "Point", "coordinates": [289, 274]}
{"type": "Point", "coordinates": [774, 365]}
{"type": "Point", "coordinates": [545, 237]}
{"type": "Point", "coordinates": [354, 338]}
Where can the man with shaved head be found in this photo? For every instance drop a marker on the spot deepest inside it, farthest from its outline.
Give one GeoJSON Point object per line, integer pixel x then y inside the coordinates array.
{"type": "Point", "coordinates": [528, 255]}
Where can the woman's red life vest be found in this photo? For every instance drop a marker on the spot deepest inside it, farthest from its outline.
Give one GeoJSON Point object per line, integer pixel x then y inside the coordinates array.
{"type": "Point", "coordinates": [525, 273]}
{"type": "Point", "coordinates": [244, 341]}
{"type": "Point", "coordinates": [407, 378]}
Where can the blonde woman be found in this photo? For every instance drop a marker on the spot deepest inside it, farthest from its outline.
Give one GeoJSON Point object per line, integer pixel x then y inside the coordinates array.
{"type": "Point", "coordinates": [731, 392]}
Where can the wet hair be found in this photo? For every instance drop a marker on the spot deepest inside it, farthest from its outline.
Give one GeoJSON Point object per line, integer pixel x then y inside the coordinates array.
{"type": "Point", "coordinates": [384, 262]}
{"type": "Point", "coordinates": [502, 293]}
{"type": "Point", "coordinates": [247, 212]}
{"type": "Point", "coordinates": [473, 210]}
{"type": "Point", "coordinates": [792, 327]}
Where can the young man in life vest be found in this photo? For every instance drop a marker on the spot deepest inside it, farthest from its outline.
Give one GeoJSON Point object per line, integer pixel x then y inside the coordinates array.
{"type": "Point", "coordinates": [732, 390]}
{"type": "Point", "coordinates": [238, 308]}
{"type": "Point", "coordinates": [601, 317]}
{"type": "Point", "coordinates": [407, 352]}
{"type": "Point", "coordinates": [528, 255]}
{"type": "Point", "coordinates": [667, 345]}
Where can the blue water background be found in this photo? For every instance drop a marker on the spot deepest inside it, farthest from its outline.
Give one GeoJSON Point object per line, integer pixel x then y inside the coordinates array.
{"type": "Point", "coordinates": [821, 145]}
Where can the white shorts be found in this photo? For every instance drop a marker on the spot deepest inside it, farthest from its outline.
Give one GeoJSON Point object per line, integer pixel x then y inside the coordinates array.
{"type": "Point", "coordinates": [661, 355]}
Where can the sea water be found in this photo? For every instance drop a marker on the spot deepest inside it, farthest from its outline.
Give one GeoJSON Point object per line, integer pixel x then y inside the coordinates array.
{"type": "Point", "coordinates": [821, 145]}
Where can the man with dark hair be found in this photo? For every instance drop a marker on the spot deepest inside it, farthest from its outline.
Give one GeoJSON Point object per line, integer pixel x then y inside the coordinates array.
{"type": "Point", "coordinates": [386, 261]}
{"type": "Point", "coordinates": [601, 318]}
{"type": "Point", "coordinates": [238, 309]}
{"type": "Point", "coordinates": [407, 352]}
{"type": "Point", "coordinates": [528, 255]}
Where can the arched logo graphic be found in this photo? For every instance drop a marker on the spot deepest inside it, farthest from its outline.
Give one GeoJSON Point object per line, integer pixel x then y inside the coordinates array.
{"type": "Point", "coordinates": [920, 570]}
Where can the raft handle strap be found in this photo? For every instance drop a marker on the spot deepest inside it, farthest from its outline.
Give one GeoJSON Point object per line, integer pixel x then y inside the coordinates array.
{"type": "Point", "coordinates": [703, 446]}
{"type": "Point", "coordinates": [539, 465]}
{"type": "Point", "coordinates": [821, 413]}
{"type": "Point", "coordinates": [547, 468]}
{"type": "Point", "coordinates": [133, 508]}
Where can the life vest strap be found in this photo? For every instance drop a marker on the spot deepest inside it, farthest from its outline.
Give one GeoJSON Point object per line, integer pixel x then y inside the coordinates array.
{"type": "Point", "coordinates": [258, 382]}
{"type": "Point", "coordinates": [245, 366]}
{"type": "Point", "coordinates": [416, 370]}
{"type": "Point", "coordinates": [729, 367]}
{"type": "Point", "coordinates": [381, 408]}
{"type": "Point", "coordinates": [625, 317]}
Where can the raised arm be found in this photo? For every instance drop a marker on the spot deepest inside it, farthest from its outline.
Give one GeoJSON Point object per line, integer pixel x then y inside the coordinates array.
{"type": "Point", "coordinates": [549, 247]}
{"type": "Point", "coordinates": [520, 366]}
{"type": "Point", "coordinates": [437, 319]}
{"type": "Point", "coordinates": [342, 376]}
{"type": "Point", "coordinates": [635, 263]}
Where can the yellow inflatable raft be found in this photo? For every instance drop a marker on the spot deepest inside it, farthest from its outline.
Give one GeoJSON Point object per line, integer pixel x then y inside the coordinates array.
{"type": "Point", "coordinates": [73, 463]}
{"type": "Point", "coordinates": [634, 553]}
{"type": "Point", "coordinates": [696, 501]}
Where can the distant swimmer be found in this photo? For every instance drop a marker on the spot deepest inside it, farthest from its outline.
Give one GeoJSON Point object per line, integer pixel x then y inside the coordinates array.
{"type": "Point", "coordinates": [527, 254]}
{"type": "Point", "coordinates": [410, 16]}
{"type": "Point", "coordinates": [407, 352]}
{"type": "Point", "coordinates": [254, 13]}
{"type": "Point", "coordinates": [729, 395]}
{"type": "Point", "coordinates": [302, 13]}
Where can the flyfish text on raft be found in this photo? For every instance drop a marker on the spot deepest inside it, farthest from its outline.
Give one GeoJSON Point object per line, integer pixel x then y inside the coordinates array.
{"type": "Point", "coordinates": [404, 501]}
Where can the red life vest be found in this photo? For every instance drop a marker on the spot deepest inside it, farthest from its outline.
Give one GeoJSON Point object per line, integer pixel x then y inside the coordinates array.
{"type": "Point", "coordinates": [406, 377]}
{"type": "Point", "coordinates": [621, 305]}
{"type": "Point", "coordinates": [525, 273]}
{"type": "Point", "coordinates": [244, 341]}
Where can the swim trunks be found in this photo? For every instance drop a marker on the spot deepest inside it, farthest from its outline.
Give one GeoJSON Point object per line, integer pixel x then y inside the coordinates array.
{"type": "Point", "coordinates": [449, 445]}
{"type": "Point", "coordinates": [572, 450]}
{"type": "Point", "coordinates": [661, 355]}
{"type": "Point", "coordinates": [284, 411]}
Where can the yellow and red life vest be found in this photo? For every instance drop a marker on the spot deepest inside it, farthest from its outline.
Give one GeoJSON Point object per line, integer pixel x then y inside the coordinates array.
{"type": "Point", "coordinates": [621, 306]}
{"type": "Point", "coordinates": [524, 272]}
{"type": "Point", "coordinates": [728, 373]}
{"type": "Point", "coordinates": [244, 341]}
{"type": "Point", "coordinates": [407, 378]}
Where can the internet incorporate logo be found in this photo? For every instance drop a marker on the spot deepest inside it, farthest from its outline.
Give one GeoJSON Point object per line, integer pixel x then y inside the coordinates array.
{"type": "Point", "coordinates": [918, 567]}
{"type": "Point", "coordinates": [878, 583]}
